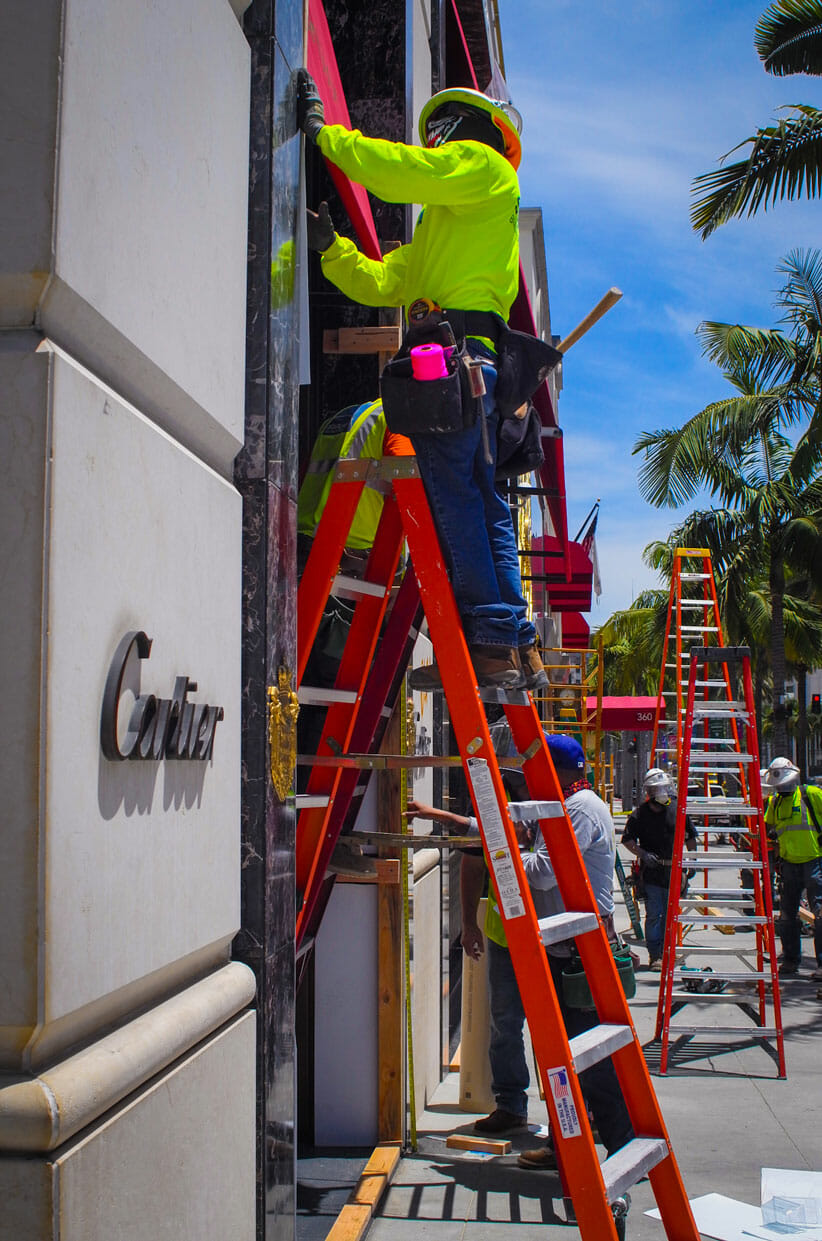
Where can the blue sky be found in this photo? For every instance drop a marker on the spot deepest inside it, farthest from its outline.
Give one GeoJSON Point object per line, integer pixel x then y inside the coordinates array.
{"type": "Point", "coordinates": [623, 105]}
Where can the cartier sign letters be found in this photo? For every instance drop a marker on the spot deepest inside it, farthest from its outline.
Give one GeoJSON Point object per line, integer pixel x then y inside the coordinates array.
{"type": "Point", "coordinates": [158, 727]}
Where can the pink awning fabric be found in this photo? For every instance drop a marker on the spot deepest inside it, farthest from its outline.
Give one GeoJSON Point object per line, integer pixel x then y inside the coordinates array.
{"type": "Point", "coordinates": [321, 63]}
{"type": "Point", "coordinates": [625, 714]}
{"type": "Point", "coordinates": [576, 632]}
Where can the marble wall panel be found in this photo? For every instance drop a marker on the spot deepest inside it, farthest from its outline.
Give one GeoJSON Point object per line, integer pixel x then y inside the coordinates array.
{"type": "Point", "coordinates": [266, 475]}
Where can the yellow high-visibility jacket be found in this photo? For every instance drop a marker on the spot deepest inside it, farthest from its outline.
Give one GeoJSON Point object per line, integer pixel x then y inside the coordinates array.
{"type": "Point", "coordinates": [787, 819]}
{"type": "Point", "coordinates": [465, 251]}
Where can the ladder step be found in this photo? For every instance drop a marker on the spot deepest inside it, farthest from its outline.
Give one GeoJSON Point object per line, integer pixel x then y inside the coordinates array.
{"type": "Point", "coordinates": [733, 1031]}
{"type": "Point", "coordinates": [514, 697]}
{"type": "Point", "coordinates": [736, 900]}
{"type": "Point", "coordinates": [708, 894]}
{"type": "Point", "coordinates": [696, 629]}
{"type": "Point", "coordinates": [630, 1163]}
{"type": "Point", "coordinates": [598, 1043]}
{"type": "Point", "coordinates": [317, 696]}
{"type": "Point", "coordinates": [721, 976]}
{"type": "Point", "coordinates": [729, 758]}
{"type": "Point", "coordinates": [566, 925]}
{"type": "Point", "coordinates": [695, 577]}
{"type": "Point", "coordinates": [528, 811]}
{"type": "Point", "coordinates": [717, 805]}
{"type": "Point", "coordinates": [720, 919]}
{"type": "Point", "coordinates": [702, 861]}
{"type": "Point", "coordinates": [345, 586]}
{"type": "Point", "coordinates": [310, 801]}
{"type": "Point", "coordinates": [711, 950]}
{"type": "Point", "coordinates": [721, 711]}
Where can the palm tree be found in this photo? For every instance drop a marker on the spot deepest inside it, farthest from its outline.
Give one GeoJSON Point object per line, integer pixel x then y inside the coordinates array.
{"type": "Point", "coordinates": [769, 489]}
{"type": "Point", "coordinates": [632, 645]}
{"type": "Point", "coordinates": [785, 159]}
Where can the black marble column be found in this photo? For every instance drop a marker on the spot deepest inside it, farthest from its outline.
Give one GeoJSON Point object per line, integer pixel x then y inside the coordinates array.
{"type": "Point", "coordinates": [266, 475]}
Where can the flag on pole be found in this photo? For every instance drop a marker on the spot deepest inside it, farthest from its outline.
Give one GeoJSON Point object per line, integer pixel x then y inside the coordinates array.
{"type": "Point", "coordinates": [589, 544]}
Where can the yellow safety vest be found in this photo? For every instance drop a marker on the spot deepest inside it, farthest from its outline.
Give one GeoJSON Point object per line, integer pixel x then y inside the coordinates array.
{"type": "Point", "coordinates": [354, 433]}
{"type": "Point", "coordinates": [788, 820]}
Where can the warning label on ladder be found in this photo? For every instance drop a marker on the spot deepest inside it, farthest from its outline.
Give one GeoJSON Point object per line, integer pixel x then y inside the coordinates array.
{"type": "Point", "coordinates": [564, 1102]}
{"type": "Point", "coordinates": [496, 841]}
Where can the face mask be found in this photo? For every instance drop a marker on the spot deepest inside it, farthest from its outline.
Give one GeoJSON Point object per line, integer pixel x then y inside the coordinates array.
{"type": "Point", "coordinates": [661, 799]}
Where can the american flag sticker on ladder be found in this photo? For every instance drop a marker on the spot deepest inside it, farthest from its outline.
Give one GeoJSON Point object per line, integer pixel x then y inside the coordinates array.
{"type": "Point", "coordinates": [560, 1088]}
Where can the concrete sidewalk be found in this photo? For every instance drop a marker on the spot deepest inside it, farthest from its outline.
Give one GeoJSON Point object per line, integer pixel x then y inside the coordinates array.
{"type": "Point", "coordinates": [727, 1113]}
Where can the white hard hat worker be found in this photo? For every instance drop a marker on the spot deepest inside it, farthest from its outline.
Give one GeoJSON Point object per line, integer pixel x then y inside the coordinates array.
{"type": "Point", "coordinates": [783, 776]}
{"type": "Point", "coordinates": [657, 785]}
{"type": "Point", "coordinates": [461, 114]}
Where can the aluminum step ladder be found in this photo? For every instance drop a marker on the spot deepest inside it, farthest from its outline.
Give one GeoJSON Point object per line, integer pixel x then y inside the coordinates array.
{"type": "Point", "coordinates": [695, 970]}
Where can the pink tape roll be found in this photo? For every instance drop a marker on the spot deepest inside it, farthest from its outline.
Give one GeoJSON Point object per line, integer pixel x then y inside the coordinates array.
{"type": "Point", "coordinates": [428, 362]}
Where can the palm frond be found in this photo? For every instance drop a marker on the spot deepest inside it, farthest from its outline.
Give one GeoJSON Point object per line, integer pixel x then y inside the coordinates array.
{"type": "Point", "coordinates": [766, 353]}
{"type": "Point", "coordinates": [785, 161]}
{"type": "Point", "coordinates": [788, 37]}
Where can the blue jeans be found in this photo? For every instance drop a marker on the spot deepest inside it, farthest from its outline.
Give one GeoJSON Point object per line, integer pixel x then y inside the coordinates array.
{"type": "Point", "coordinates": [656, 910]}
{"type": "Point", "coordinates": [475, 527]}
{"type": "Point", "coordinates": [509, 1070]}
{"type": "Point", "coordinates": [794, 877]}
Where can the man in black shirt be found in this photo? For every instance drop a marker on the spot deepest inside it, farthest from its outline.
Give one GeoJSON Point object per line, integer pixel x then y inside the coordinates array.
{"type": "Point", "coordinates": [649, 835]}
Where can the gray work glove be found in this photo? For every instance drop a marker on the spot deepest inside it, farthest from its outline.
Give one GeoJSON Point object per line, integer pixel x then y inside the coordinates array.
{"type": "Point", "coordinates": [650, 859]}
{"type": "Point", "coordinates": [319, 229]}
{"type": "Point", "coordinates": [310, 112]}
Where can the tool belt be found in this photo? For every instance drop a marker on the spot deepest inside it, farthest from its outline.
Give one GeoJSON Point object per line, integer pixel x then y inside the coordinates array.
{"type": "Point", "coordinates": [451, 403]}
{"type": "Point", "coordinates": [430, 406]}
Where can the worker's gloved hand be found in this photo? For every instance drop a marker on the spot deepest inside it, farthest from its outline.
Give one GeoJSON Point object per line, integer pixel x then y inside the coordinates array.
{"type": "Point", "coordinates": [649, 858]}
{"type": "Point", "coordinates": [319, 229]}
{"type": "Point", "coordinates": [310, 112]}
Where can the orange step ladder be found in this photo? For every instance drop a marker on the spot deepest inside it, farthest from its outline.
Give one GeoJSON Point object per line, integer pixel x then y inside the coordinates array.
{"type": "Point", "coordinates": [720, 700]}
{"type": "Point", "coordinates": [592, 1187]}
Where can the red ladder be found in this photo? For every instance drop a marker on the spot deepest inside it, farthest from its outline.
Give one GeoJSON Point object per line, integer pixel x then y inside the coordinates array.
{"type": "Point", "coordinates": [591, 1186]}
{"type": "Point", "coordinates": [726, 703]}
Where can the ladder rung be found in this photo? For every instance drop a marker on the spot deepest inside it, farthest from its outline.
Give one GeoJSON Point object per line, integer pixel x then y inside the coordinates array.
{"type": "Point", "coordinates": [729, 758]}
{"type": "Point", "coordinates": [721, 976]}
{"type": "Point", "coordinates": [696, 603]}
{"type": "Point", "coordinates": [711, 950]}
{"type": "Point", "coordinates": [733, 1031]}
{"type": "Point", "coordinates": [742, 861]}
{"type": "Point", "coordinates": [698, 919]}
{"type": "Point", "coordinates": [517, 697]}
{"type": "Point", "coordinates": [714, 805]}
{"type": "Point", "coordinates": [310, 801]}
{"type": "Point", "coordinates": [708, 894]}
{"type": "Point", "coordinates": [694, 577]}
{"type": "Point", "coordinates": [528, 811]}
{"type": "Point", "coordinates": [343, 586]}
{"type": "Point", "coordinates": [711, 997]}
{"type": "Point", "coordinates": [696, 629]}
{"type": "Point", "coordinates": [566, 925]}
{"type": "Point", "coordinates": [736, 900]}
{"type": "Point", "coordinates": [630, 1164]}
{"type": "Point", "coordinates": [597, 1043]}
{"type": "Point", "coordinates": [318, 696]}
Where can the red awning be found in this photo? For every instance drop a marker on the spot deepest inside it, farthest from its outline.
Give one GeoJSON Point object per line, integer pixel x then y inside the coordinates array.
{"type": "Point", "coordinates": [564, 591]}
{"type": "Point", "coordinates": [321, 63]}
{"type": "Point", "coordinates": [576, 632]}
{"type": "Point", "coordinates": [625, 714]}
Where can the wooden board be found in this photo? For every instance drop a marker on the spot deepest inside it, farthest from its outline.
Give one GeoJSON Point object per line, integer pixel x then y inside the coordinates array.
{"type": "Point", "coordinates": [354, 1218]}
{"type": "Point", "coordinates": [465, 1142]}
{"type": "Point", "coordinates": [362, 339]}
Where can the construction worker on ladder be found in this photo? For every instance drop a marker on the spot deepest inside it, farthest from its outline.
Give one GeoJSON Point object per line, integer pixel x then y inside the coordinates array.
{"type": "Point", "coordinates": [464, 255]}
{"type": "Point", "coordinates": [357, 433]}
{"type": "Point", "coordinates": [793, 819]}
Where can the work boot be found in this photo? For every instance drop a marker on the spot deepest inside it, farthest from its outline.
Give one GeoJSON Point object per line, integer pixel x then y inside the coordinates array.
{"type": "Point", "coordinates": [500, 1122]}
{"type": "Point", "coordinates": [788, 968]}
{"type": "Point", "coordinates": [532, 667]}
{"type": "Point", "coordinates": [540, 1159]}
{"type": "Point", "coordinates": [495, 667]}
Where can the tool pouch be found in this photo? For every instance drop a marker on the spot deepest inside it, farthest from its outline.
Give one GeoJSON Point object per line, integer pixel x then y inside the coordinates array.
{"type": "Point", "coordinates": [523, 363]}
{"type": "Point", "coordinates": [432, 406]}
{"type": "Point", "coordinates": [519, 445]}
{"type": "Point", "coordinates": [575, 990]}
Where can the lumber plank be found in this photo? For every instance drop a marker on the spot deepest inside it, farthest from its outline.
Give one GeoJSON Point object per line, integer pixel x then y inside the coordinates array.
{"type": "Point", "coordinates": [466, 1142]}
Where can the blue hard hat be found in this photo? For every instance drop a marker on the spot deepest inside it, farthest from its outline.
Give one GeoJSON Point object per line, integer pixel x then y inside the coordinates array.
{"type": "Point", "coordinates": [565, 751]}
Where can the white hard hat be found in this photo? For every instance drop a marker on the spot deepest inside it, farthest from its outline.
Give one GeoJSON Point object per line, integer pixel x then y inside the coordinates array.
{"type": "Point", "coordinates": [783, 775]}
{"type": "Point", "coordinates": [656, 780]}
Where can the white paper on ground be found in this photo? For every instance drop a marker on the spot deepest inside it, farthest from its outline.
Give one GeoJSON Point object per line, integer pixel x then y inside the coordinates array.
{"type": "Point", "coordinates": [726, 1219]}
{"type": "Point", "coordinates": [792, 1196]}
